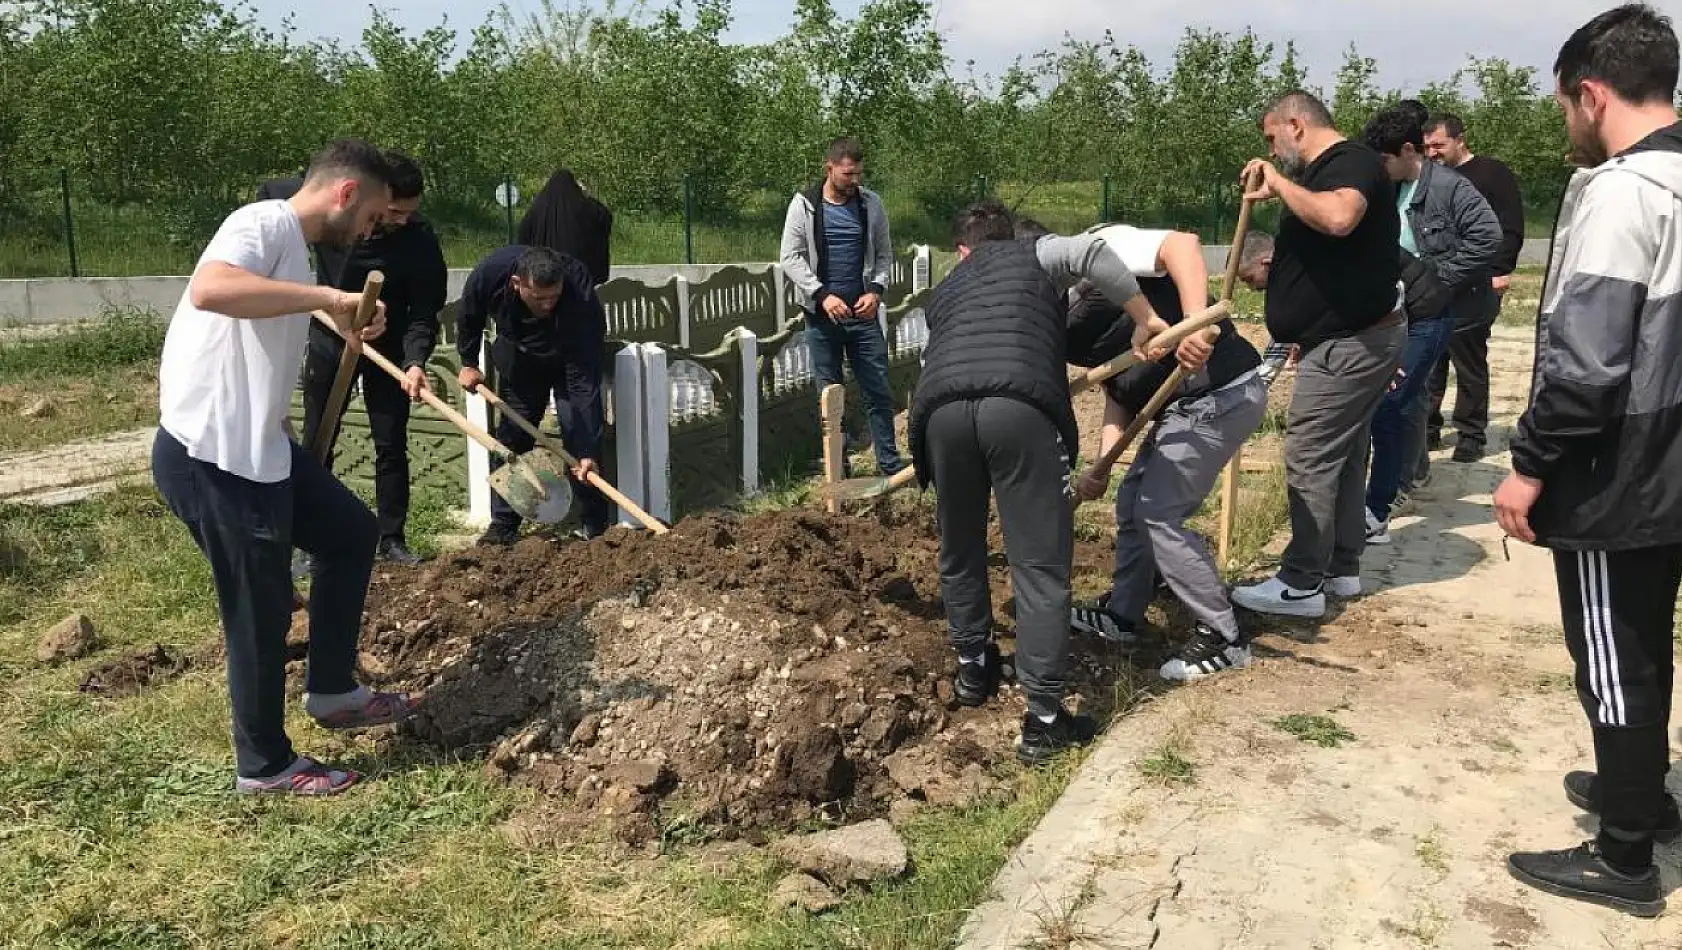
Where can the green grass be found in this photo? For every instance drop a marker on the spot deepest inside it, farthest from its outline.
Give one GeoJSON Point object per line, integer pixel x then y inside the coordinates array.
{"type": "Point", "coordinates": [1169, 766]}
{"type": "Point", "coordinates": [1523, 300]}
{"type": "Point", "coordinates": [1323, 731]}
{"type": "Point", "coordinates": [99, 377]}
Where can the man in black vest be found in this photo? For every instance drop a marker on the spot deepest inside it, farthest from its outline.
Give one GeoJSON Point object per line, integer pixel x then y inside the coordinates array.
{"type": "Point", "coordinates": [992, 416]}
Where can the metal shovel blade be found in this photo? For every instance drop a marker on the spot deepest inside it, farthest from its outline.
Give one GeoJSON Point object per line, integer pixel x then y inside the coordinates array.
{"type": "Point", "coordinates": [535, 486]}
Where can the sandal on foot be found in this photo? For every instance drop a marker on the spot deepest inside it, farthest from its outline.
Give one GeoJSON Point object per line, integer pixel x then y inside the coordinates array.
{"type": "Point", "coordinates": [381, 709]}
{"type": "Point", "coordinates": [311, 780]}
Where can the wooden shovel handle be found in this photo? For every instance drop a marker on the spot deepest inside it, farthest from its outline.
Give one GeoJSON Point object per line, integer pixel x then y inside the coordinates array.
{"type": "Point", "coordinates": [1169, 339]}
{"type": "Point", "coordinates": [444, 409]}
{"type": "Point", "coordinates": [1236, 253]}
{"type": "Point", "coordinates": [1159, 399]}
{"type": "Point", "coordinates": [328, 425]}
{"type": "Point", "coordinates": [601, 484]}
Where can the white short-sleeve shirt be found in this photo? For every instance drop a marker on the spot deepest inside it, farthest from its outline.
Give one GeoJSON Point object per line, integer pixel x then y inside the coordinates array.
{"type": "Point", "coordinates": [1137, 247]}
{"type": "Point", "coordinates": [225, 384]}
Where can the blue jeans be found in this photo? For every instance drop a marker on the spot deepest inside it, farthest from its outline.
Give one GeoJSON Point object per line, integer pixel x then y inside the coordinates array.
{"type": "Point", "coordinates": [866, 350]}
{"type": "Point", "coordinates": [1427, 339]}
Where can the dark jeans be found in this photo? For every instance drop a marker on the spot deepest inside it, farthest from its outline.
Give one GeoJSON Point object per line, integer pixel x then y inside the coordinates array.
{"type": "Point", "coordinates": [247, 531]}
{"type": "Point", "coordinates": [1618, 612]}
{"type": "Point", "coordinates": [1390, 443]}
{"type": "Point", "coordinates": [530, 388]}
{"type": "Point", "coordinates": [865, 348]}
{"type": "Point", "coordinates": [1468, 352]}
{"type": "Point", "coordinates": [388, 423]}
{"type": "Point", "coordinates": [980, 449]}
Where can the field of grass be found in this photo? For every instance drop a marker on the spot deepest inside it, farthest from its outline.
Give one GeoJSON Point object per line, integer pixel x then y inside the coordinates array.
{"type": "Point", "coordinates": [98, 378]}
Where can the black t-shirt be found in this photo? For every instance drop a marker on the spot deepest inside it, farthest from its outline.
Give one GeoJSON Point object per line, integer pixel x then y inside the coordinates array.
{"type": "Point", "coordinates": [1323, 287]}
{"type": "Point", "coordinates": [1495, 181]}
{"type": "Point", "coordinates": [1104, 331]}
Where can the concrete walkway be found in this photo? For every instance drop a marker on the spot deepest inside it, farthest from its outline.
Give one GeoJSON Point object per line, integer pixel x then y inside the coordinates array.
{"type": "Point", "coordinates": [1455, 685]}
{"type": "Point", "coordinates": [67, 473]}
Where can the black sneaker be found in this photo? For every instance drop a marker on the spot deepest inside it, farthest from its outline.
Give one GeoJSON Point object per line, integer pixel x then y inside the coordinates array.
{"type": "Point", "coordinates": [1581, 790]}
{"type": "Point", "coordinates": [1206, 654]}
{"type": "Point", "coordinates": [500, 536]}
{"type": "Point", "coordinates": [1098, 621]}
{"type": "Point", "coordinates": [394, 551]}
{"type": "Point", "coordinates": [1433, 441]}
{"type": "Point", "coordinates": [1468, 452]}
{"type": "Point", "coordinates": [1044, 741]}
{"type": "Point", "coordinates": [1582, 874]}
{"type": "Point", "coordinates": [977, 682]}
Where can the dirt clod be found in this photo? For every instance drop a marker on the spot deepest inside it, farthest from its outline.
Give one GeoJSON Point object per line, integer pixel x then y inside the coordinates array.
{"type": "Point", "coordinates": [803, 893]}
{"type": "Point", "coordinates": [858, 854]}
{"type": "Point", "coordinates": [70, 639]}
{"type": "Point", "coordinates": [137, 671]}
{"type": "Point", "coordinates": [38, 408]}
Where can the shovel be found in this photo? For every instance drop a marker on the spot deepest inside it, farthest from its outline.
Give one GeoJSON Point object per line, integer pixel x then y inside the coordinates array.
{"type": "Point", "coordinates": [601, 484]}
{"type": "Point", "coordinates": [533, 484]}
{"type": "Point", "coordinates": [328, 426]}
{"type": "Point", "coordinates": [863, 489]}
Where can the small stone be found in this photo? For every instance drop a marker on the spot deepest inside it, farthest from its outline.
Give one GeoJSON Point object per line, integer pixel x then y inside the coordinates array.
{"type": "Point", "coordinates": [627, 622]}
{"type": "Point", "coordinates": [643, 777]}
{"type": "Point", "coordinates": [803, 893]}
{"type": "Point", "coordinates": [903, 810]}
{"type": "Point", "coordinates": [70, 639]}
{"type": "Point", "coordinates": [39, 408]}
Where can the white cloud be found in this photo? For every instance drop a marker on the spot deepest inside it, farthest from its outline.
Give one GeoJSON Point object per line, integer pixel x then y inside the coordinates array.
{"type": "Point", "coordinates": [1413, 42]}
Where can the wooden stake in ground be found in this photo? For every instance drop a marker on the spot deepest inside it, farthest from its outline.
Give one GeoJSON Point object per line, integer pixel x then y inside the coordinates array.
{"type": "Point", "coordinates": [1229, 477]}
{"type": "Point", "coordinates": [832, 402]}
{"type": "Point", "coordinates": [328, 425]}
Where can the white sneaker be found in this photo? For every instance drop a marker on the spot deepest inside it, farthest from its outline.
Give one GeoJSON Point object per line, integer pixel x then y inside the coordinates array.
{"type": "Point", "coordinates": [1274, 596]}
{"type": "Point", "coordinates": [1344, 587]}
{"type": "Point", "coordinates": [1378, 532]}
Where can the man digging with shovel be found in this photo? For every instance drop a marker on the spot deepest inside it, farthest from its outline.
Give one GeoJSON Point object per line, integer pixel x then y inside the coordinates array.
{"type": "Point", "coordinates": [226, 464]}
{"type": "Point", "coordinates": [550, 330]}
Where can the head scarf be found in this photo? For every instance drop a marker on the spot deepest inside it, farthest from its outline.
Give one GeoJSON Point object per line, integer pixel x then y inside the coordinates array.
{"type": "Point", "coordinates": [563, 218]}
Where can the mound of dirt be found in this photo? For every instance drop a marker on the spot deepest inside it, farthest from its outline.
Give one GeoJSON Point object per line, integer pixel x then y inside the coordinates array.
{"type": "Point", "coordinates": [743, 673]}
{"type": "Point", "coordinates": [137, 671]}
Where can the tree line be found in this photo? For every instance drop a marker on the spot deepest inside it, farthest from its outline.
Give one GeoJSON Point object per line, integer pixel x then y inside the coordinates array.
{"type": "Point", "coordinates": [186, 104]}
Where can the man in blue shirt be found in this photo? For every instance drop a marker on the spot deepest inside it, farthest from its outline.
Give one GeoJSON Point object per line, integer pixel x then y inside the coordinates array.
{"type": "Point", "coordinates": [837, 251]}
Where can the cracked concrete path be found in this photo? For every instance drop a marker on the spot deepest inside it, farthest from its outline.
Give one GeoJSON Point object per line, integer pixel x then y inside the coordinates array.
{"type": "Point", "coordinates": [1453, 681]}
{"type": "Point", "coordinates": [66, 473]}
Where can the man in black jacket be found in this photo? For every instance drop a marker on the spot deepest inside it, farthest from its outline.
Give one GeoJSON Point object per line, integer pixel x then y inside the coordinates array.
{"type": "Point", "coordinates": [550, 330]}
{"type": "Point", "coordinates": [992, 417]}
{"type": "Point", "coordinates": [1468, 348]}
{"type": "Point", "coordinates": [1450, 228]}
{"type": "Point", "coordinates": [1597, 459]}
{"type": "Point", "coordinates": [405, 249]}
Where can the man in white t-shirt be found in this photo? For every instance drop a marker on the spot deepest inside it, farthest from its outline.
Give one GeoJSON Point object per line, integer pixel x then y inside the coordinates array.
{"type": "Point", "coordinates": [226, 463]}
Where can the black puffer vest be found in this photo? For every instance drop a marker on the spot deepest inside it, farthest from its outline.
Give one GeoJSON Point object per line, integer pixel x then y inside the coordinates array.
{"type": "Point", "coordinates": [996, 328]}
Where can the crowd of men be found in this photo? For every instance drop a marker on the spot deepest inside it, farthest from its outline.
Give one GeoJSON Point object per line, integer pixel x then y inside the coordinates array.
{"type": "Point", "coordinates": [1389, 266]}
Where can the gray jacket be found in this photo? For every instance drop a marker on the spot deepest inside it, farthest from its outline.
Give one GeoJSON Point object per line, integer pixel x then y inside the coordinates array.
{"type": "Point", "coordinates": [802, 258]}
{"type": "Point", "coordinates": [1458, 235]}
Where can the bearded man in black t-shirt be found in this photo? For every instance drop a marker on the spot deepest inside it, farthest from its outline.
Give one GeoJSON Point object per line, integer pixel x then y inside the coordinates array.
{"type": "Point", "coordinates": [1334, 291]}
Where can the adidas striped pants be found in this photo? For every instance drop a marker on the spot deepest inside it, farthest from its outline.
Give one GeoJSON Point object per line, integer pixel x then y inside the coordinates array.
{"type": "Point", "coordinates": [1619, 611]}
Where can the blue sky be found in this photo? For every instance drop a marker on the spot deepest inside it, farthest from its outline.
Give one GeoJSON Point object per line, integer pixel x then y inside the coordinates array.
{"type": "Point", "coordinates": [1414, 41]}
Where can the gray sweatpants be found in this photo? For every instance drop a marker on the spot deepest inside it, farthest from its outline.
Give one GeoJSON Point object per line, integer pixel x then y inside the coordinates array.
{"type": "Point", "coordinates": [1006, 448]}
{"type": "Point", "coordinates": [1327, 436]}
{"type": "Point", "coordinates": [1174, 472]}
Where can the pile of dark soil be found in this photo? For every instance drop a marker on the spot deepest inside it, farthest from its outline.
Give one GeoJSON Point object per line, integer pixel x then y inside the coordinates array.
{"type": "Point", "coordinates": [742, 672]}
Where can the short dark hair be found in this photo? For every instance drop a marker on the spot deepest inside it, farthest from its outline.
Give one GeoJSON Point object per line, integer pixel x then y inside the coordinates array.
{"type": "Point", "coordinates": [407, 180]}
{"type": "Point", "coordinates": [1393, 128]}
{"type": "Point", "coordinates": [1452, 125]}
{"type": "Point", "coordinates": [1303, 104]}
{"type": "Point", "coordinates": [1632, 48]}
{"type": "Point", "coordinates": [350, 158]}
{"type": "Point", "coordinates": [1415, 108]}
{"type": "Point", "coordinates": [540, 267]}
{"type": "Point", "coordinates": [846, 148]}
{"type": "Point", "coordinates": [1027, 229]}
{"type": "Point", "coordinates": [984, 221]}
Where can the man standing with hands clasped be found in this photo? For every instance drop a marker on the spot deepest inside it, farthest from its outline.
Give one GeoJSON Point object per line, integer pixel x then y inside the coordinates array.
{"type": "Point", "coordinates": [1597, 458]}
{"type": "Point", "coordinates": [837, 251]}
{"type": "Point", "coordinates": [226, 464]}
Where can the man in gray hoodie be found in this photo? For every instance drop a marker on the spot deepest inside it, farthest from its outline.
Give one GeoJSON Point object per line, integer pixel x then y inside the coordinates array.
{"type": "Point", "coordinates": [837, 251]}
{"type": "Point", "coordinates": [1597, 458]}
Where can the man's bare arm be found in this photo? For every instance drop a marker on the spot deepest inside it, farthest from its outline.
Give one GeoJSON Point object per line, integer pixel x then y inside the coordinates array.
{"type": "Point", "coordinates": [220, 287]}
{"type": "Point", "coordinates": [1330, 212]}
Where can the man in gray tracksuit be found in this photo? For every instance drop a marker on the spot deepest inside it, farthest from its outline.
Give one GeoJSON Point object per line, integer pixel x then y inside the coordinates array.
{"type": "Point", "coordinates": [837, 251]}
